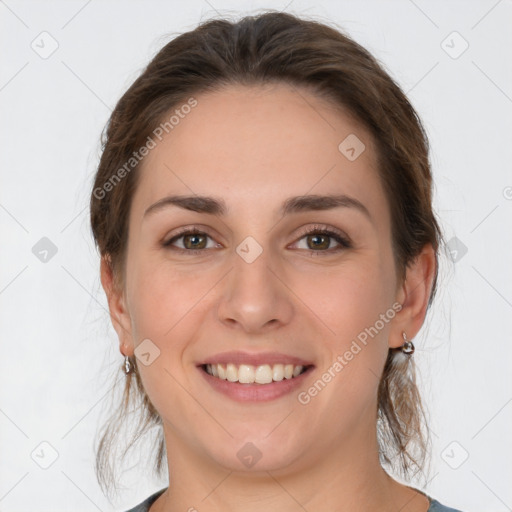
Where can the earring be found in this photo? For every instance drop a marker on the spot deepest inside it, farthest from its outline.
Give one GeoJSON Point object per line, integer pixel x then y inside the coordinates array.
{"type": "Point", "coordinates": [408, 346]}
{"type": "Point", "coordinates": [128, 367]}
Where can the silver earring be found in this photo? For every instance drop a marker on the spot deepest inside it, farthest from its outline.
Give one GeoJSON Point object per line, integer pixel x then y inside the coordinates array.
{"type": "Point", "coordinates": [408, 346]}
{"type": "Point", "coordinates": [128, 367]}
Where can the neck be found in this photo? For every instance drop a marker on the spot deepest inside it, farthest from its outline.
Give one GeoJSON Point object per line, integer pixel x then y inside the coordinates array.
{"type": "Point", "coordinates": [347, 477]}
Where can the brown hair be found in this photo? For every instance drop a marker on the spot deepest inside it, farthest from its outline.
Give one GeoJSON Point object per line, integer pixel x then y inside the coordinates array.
{"type": "Point", "coordinates": [277, 47]}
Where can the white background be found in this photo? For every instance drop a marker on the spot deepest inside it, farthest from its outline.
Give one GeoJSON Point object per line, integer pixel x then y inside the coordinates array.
{"type": "Point", "coordinates": [59, 353]}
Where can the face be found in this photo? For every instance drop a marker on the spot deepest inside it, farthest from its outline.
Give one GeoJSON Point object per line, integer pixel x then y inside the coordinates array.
{"type": "Point", "coordinates": [270, 280]}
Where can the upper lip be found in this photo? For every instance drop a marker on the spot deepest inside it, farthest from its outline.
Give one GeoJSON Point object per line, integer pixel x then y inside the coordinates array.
{"type": "Point", "coordinates": [255, 359]}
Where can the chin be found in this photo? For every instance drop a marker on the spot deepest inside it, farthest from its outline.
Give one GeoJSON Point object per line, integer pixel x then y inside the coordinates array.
{"type": "Point", "coordinates": [253, 452]}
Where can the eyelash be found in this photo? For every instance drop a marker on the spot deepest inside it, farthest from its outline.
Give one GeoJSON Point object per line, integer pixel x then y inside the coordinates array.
{"type": "Point", "coordinates": [337, 236]}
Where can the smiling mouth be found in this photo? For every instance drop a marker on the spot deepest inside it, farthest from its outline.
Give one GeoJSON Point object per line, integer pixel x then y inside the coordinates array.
{"type": "Point", "coordinates": [250, 374]}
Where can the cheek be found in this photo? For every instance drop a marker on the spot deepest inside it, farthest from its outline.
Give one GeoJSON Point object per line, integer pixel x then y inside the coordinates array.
{"type": "Point", "coordinates": [168, 306]}
{"type": "Point", "coordinates": [160, 298]}
{"type": "Point", "coordinates": [162, 311]}
{"type": "Point", "coordinates": [355, 305]}
{"type": "Point", "coordinates": [349, 300]}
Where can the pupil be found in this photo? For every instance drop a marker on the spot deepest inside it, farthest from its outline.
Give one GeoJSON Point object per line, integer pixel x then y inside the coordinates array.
{"type": "Point", "coordinates": [317, 237]}
{"type": "Point", "coordinates": [193, 237]}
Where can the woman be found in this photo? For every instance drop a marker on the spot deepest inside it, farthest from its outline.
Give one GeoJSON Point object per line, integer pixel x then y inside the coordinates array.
{"type": "Point", "coordinates": [268, 247]}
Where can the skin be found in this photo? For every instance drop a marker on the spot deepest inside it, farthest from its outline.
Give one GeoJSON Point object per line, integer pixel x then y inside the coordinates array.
{"type": "Point", "coordinates": [254, 147]}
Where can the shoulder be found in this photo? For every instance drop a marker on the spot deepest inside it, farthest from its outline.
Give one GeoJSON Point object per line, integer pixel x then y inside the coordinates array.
{"type": "Point", "coordinates": [144, 506]}
{"type": "Point", "coordinates": [435, 506]}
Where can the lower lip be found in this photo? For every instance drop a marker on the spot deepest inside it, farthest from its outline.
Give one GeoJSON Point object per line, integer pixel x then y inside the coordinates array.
{"type": "Point", "coordinates": [255, 392]}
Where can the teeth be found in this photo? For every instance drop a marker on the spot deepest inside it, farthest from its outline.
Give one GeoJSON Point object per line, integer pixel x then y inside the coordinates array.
{"type": "Point", "coordinates": [278, 372]}
{"type": "Point", "coordinates": [232, 373]}
{"type": "Point", "coordinates": [245, 373]}
{"type": "Point", "coordinates": [263, 374]}
{"type": "Point", "coordinates": [248, 374]}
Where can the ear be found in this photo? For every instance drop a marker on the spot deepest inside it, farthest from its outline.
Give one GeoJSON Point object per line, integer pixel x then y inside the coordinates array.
{"type": "Point", "coordinates": [414, 294]}
{"type": "Point", "coordinates": [119, 314]}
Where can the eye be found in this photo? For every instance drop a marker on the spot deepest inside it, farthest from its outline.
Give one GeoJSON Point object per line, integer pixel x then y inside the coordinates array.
{"type": "Point", "coordinates": [318, 239]}
{"type": "Point", "coordinates": [194, 241]}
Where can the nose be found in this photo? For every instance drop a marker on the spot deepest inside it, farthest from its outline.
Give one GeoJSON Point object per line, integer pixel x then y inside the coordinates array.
{"type": "Point", "coordinates": [255, 297]}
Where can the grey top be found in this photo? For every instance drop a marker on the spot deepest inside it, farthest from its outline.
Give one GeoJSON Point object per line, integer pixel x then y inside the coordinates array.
{"type": "Point", "coordinates": [435, 506]}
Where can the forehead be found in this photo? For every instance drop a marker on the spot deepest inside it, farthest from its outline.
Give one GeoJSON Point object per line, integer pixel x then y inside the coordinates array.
{"type": "Point", "coordinates": [261, 143]}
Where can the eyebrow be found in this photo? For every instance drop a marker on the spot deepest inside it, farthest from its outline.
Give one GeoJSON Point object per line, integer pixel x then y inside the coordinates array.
{"type": "Point", "coordinates": [214, 206]}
